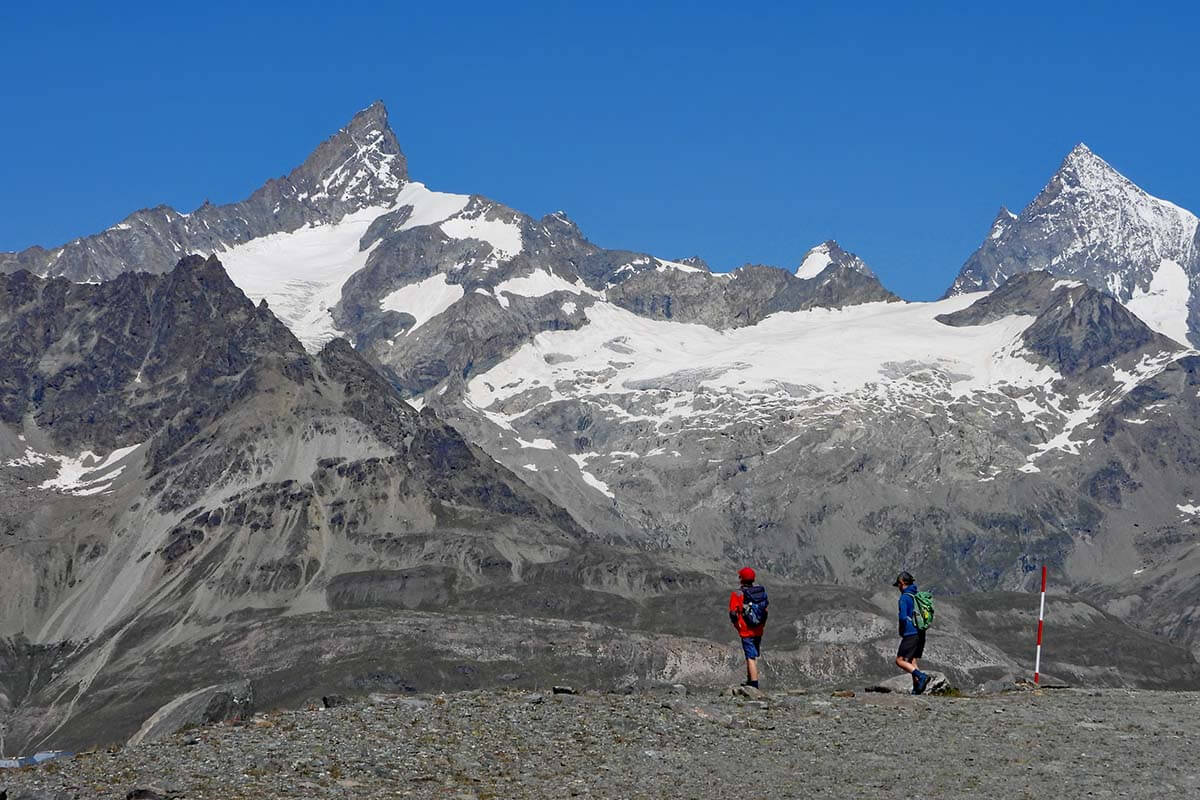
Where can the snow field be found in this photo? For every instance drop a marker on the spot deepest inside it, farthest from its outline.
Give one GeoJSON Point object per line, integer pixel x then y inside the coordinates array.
{"type": "Point", "coordinates": [1164, 305]}
{"type": "Point", "coordinates": [504, 237]}
{"type": "Point", "coordinates": [830, 351]}
{"type": "Point", "coordinates": [301, 274]}
{"type": "Point", "coordinates": [877, 358]}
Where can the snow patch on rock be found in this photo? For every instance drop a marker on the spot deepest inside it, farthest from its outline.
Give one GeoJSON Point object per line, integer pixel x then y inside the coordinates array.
{"type": "Point", "coordinates": [424, 299]}
{"type": "Point", "coordinates": [814, 262]}
{"type": "Point", "coordinates": [664, 265]}
{"type": "Point", "coordinates": [581, 460]}
{"type": "Point", "coordinates": [87, 473]}
{"type": "Point", "coordinates": [428, 207]}
{"type": "Point", "coordinates": [504, 237]}
{"type": "Point", "coordinates": [539, 283]}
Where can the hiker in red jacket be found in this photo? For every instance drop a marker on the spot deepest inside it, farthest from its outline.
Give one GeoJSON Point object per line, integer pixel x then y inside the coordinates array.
{"type": "Point", "coordinates": [748, 613]}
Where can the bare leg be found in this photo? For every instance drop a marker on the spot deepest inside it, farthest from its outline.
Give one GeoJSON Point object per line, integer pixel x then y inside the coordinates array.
{"type": "Point", "coordinates": [751, 669]}
{"type": "Point", "coordinates": [908, 665]}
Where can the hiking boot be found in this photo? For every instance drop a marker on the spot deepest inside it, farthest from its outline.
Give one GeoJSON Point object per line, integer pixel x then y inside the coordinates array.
{"type": "Point", "coordinates": [921, 684]}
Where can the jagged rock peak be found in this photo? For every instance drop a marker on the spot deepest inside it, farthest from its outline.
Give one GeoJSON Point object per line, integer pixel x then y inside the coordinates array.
{"type": "Point", "coordinates": [1004, 218]}
{"type": "Point", "coordinates": [828, 253]}
{"type": "Point", "coordinates": [560, 218]}
{"type": "Point", "coordinates": [362, 161]}
{"type": "Point", "coordinates": [694, 261]}
{"type": "Point", "coordinates": [1084, 169]}
{"type": "Point", "coordinates": [361, 166]}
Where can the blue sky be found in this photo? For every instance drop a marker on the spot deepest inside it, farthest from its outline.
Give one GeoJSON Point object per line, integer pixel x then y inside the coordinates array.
{"type": "Point", "coordinates": [740, 135]}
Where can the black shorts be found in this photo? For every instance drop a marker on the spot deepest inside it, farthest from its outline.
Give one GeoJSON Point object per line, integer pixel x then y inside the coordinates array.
{"type": "Point", "coordinates": [912, 647]}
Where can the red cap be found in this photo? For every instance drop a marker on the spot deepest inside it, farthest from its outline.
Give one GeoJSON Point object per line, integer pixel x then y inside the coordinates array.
{"type": "Point", "coordinates": [746, 574]}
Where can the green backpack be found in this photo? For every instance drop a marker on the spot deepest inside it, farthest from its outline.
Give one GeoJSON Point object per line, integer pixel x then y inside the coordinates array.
{"type": "Point", "coordinates": [922, 610]}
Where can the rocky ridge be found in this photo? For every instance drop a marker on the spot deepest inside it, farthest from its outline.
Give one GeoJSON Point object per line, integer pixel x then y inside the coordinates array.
{"type": "Point", "coordinates": [360, 166]}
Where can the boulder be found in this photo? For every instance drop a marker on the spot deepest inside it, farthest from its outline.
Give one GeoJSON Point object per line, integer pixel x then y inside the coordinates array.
{"type": "Point", "coordinates": [334, 700]}
{"type": "Point", "coordinates": [398, 702]}
{"type": "Point", "coordinates": [1007, 683]}
{"type": "Point", "coordinates": [1050, 682]}
{"type": "Point", "coordinates": [220, 703]}
{"type": "Point", "coordinates": [902, 684]}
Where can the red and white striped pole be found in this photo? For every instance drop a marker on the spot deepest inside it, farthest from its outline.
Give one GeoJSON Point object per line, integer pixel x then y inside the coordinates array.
{"type": "Point", "coordinates": [1037, 661]}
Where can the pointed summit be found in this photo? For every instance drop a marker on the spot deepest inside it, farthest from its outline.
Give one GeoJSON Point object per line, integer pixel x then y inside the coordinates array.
{"type": "Point", "coordinates": [1004, 220]}
{"type": "Point", "coordinates": [1083, 169]}
{"type": "Point", "coordinates": [1080, 152]}
{"type": "Point", "coordinates": [360, 165]}
{"type": "Point", "coordinates": [695, 261]}
{"type": "Point", "coordinates": [374, 113]}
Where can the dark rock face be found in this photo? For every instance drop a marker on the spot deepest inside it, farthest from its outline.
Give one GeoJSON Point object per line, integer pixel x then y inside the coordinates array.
{"type": "Point", "coordinates": [1089, 330]}
{"type": "Point", "coordinates": [1027, 294]}
{"type": "Point", "coordinates": [258, 476]}
{"type": "Point", "coordinates": [359, 166]}
{"type": "Point", "coordinates": [745, 296]}
{"type": "Point", "coordinates": [111, 364]}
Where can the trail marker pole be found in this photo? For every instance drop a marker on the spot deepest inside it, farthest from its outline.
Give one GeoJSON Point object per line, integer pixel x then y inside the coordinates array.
{"type": "Point", "coordinates": [1037, 661]}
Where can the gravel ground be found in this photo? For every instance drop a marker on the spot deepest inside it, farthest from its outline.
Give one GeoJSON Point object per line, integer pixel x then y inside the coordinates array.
{"type": "Point", "coordinates": [1061, 744]}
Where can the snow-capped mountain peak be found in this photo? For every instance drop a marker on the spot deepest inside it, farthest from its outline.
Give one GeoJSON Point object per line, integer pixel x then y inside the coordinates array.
{"type": "Point", "coordinates": [359, 167]}
{"type": "Point", "coordinates": [1085, 162]}
{"type": "Point", "coordinates": [1093, 224]}
{"type": "Point", "coordinates": [828, 253]}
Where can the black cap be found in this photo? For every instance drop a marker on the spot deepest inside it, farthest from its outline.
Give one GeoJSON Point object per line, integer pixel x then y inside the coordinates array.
{"type": "Point", "coordinates": [903, 578]}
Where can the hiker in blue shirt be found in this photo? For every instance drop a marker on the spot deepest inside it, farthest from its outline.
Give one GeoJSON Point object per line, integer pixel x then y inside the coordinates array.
{"type": "Point", "coordinates": [912, 639]}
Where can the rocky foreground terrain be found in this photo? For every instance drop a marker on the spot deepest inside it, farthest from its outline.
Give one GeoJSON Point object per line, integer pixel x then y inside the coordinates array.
{"type": "Point", "coordinates": [667, 742]}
